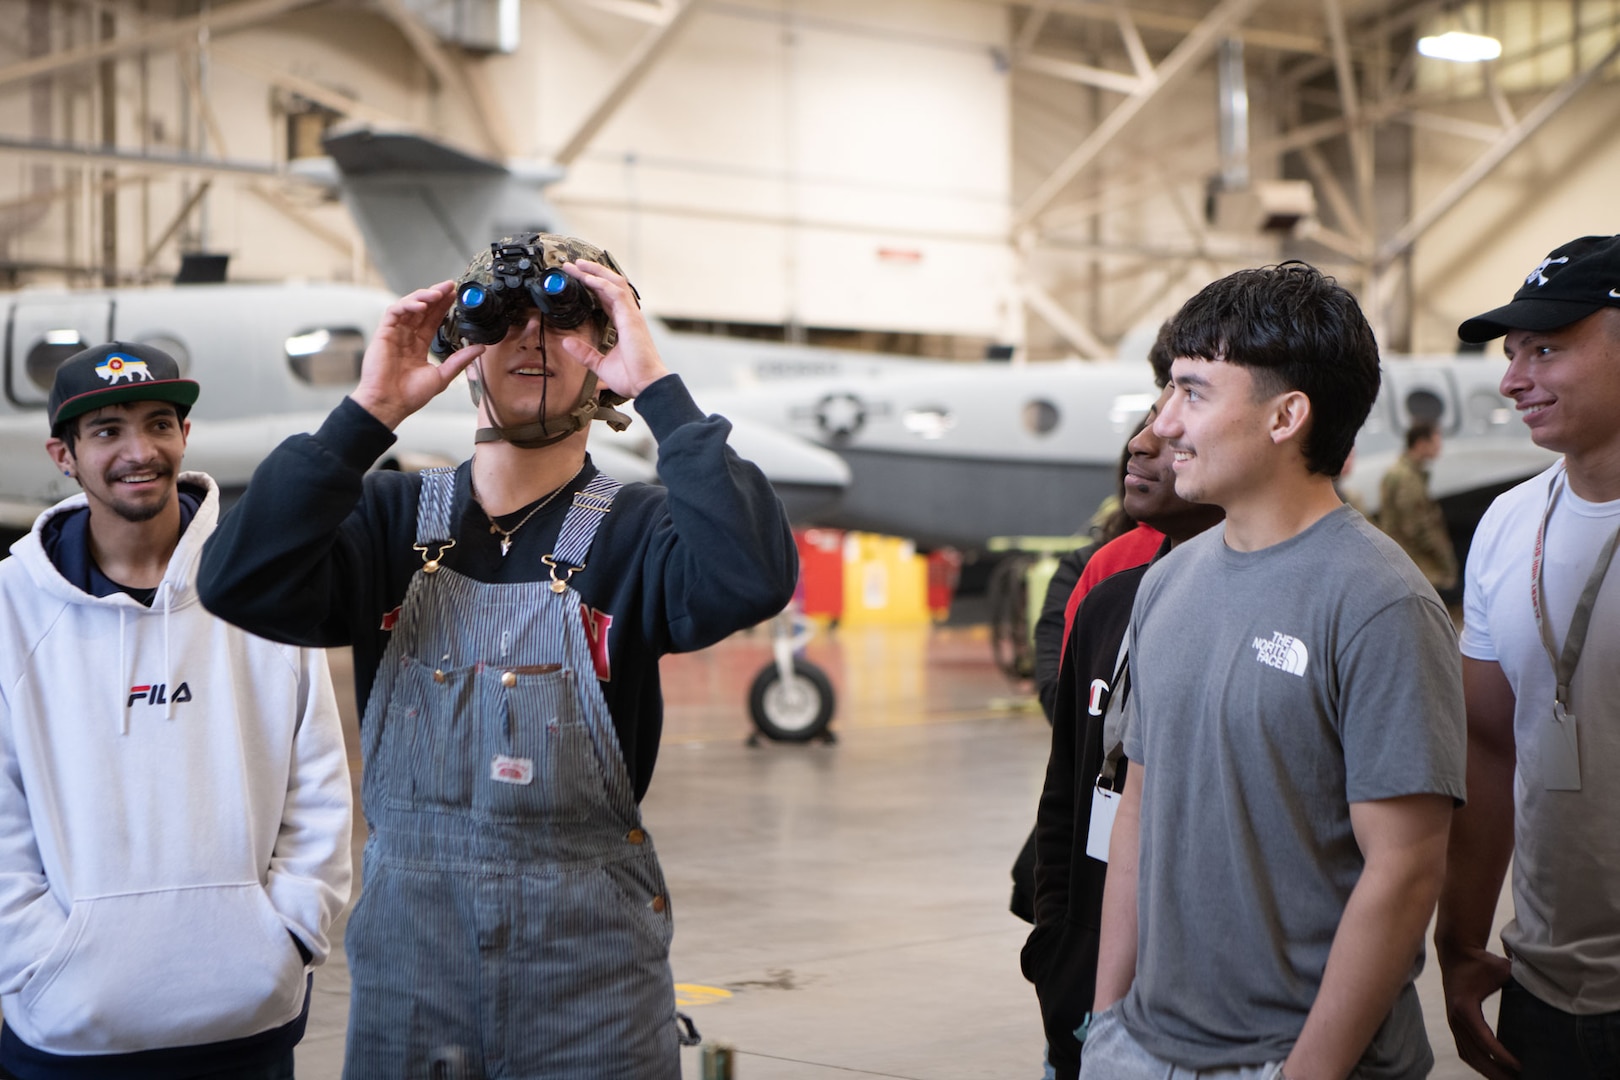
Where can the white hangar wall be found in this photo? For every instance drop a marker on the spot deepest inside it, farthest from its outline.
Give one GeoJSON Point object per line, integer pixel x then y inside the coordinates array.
{"type": "Point", "coordinates": [830, 164]}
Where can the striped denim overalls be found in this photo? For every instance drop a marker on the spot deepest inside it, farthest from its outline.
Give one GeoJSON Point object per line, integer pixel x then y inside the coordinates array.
{"type": "Point", "coordinates": [514, 917]}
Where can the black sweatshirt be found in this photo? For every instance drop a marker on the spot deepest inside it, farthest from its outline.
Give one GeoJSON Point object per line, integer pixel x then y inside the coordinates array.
{"type": "Point", "coordinates": [1060, 957]}
{"type": "Point", "coordinates": [318, 552]}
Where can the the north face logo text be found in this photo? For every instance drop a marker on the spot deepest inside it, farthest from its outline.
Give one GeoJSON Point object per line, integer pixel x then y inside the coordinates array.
{"type": "Point", "coordinates": [1282, 652]}
{"type": "Point", "coordinates": [158, 694]}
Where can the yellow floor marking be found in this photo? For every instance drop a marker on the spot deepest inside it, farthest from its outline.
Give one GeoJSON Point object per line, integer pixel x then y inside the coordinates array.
{"type": "Point", "coordinates": [689, 994]}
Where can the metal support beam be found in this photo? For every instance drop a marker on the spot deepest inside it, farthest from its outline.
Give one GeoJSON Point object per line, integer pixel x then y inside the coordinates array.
{"type": "Point", "coordinates": [1487, 162]}
{"type": "Point", "coordinates": [1333, 192]}
{"type": "Point", "coordinates": [1105, 11]}
{"type": "Point", "coordinates": [295, 213]}
{"type": "Point", "coordinates": [1359, 131]}
{"type": "Point", "coordinates": [1117, 81]}
{"type": "Point", "coordinates": [1192, 51]}
{"type": "Point", "coordinates": [647, 54]}
{"type": "Point", "coordinates": [1499, 101]}
{"type": "Point", "coordinates": [1449, 125]}
{"type": "Point", "coordinates": [1082, 340]}
{"type": "Point", "coordinates": [188, 71]}
{"type": "Point", "coordinates": [1140, 63]}
{"type": "Point", "coordinates": [1030, 28]}
{"type": "Point", "coordinates": [109, 182]}
{"type": "Point", "coordinates": [1351, 247]}
{"type": "Point", "coordinates": [78, 154]}
{"type": "Point", "coordinates": [175, 225]}
{"type": "Point", "coordinates": [652, 13]}
{"type": "Point", "coordinates": [308, 89]}
{"type": "Point", "coordinates": [216, 20]}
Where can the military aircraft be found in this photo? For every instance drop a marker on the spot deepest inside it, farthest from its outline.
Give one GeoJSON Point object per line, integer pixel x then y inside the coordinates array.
{"type": "Point", "coordinates": [943, 453]}
{"type": "Point", "coordinates": [274, 360]}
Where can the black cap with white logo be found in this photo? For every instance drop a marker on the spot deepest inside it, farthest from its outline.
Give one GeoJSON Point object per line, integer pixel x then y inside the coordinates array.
{"type": "Point", "coordinates": [114, 373]}
{"type": "Point", "coordinates": [1574, 281]}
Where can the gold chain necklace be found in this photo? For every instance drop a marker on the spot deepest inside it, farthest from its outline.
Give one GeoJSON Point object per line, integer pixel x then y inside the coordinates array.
{"type": "Point", "coordinates": [507, 534]}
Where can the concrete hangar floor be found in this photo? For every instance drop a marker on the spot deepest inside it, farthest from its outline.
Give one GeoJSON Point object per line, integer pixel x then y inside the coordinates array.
{"type": "Point", "coordinates": [841, 910]}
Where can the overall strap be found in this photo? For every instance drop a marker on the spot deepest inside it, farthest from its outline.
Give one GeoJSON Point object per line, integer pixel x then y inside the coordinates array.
{"type": "Point", "coordinates": [590, 506]}
{"type": "Point", "coordinates": [433, 515]}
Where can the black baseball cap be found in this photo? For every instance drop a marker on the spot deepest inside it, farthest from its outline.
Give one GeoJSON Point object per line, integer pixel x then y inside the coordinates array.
{"type": "Point", "coordinates": [1572, 282]}
{"type": "Point", "coordinates": [114, 373]}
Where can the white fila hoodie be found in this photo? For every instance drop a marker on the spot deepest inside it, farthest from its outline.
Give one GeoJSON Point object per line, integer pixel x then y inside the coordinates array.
{"type": "Point", "coordinates": [174, 800]}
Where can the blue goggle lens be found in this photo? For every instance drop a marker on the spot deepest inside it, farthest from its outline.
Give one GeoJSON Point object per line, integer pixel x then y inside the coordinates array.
{"type": "Point", "coordinates": [472, 296]}
{"type": "Point", "coordinates": [554, 282]}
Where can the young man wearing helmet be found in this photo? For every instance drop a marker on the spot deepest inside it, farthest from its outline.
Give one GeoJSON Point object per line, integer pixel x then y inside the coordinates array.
{"type": "Point", "coordinates": [507, 618]}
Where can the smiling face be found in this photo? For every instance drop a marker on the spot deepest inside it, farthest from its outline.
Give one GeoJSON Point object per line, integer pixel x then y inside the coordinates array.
{"type": "Point", "coordinates": [126, 457]}
{"type": "Point", "coordinates": [1219, 427]}
{"type": "Point", "coordinates": [1150, 483]}
{"type": "Point", "coordinates": [1566, 383]}
{"type": "Point", "coordinates": [523, 377]}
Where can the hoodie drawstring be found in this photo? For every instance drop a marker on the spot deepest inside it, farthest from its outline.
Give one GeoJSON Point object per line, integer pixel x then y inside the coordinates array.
{"type": "Point", "coordinates": [123, 714]}
{"type": "Point", "coordinates": [168, 668]}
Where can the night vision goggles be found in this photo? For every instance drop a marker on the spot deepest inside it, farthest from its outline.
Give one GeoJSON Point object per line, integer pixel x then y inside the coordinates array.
{"type": "Point", "coordinates": [517, 275]}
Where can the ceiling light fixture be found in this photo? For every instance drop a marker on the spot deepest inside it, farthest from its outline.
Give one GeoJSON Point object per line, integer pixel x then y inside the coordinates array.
{"type": "Point", "coordinates": [1460, 47]}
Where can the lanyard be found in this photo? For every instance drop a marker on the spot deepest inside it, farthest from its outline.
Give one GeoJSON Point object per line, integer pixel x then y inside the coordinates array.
{"type": "Point", "coordinates": [1113, 726]}
{"type": "Point", "coordinates": [1564, 663]}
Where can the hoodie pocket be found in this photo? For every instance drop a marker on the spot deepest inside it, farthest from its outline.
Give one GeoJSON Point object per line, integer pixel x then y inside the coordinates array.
{"type": "Point", "coordinates": [148, 970]}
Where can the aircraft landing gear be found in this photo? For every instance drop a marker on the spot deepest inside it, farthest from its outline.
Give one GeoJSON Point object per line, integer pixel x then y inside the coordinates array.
{"type": "Point", "coordinates": [791, 699]}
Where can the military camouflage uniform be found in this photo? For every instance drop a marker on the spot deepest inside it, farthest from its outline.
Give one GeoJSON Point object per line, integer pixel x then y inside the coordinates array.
{"type": "Point", "coordinates": [1413, 520]}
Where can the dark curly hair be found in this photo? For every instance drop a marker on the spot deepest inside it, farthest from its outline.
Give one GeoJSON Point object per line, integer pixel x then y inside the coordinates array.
{"type": "Point", "coordinates": [1295, 329]}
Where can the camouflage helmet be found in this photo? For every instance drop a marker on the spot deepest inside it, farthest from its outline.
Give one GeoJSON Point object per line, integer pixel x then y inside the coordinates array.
{"type": "Point", "coordinates": [554, 250]}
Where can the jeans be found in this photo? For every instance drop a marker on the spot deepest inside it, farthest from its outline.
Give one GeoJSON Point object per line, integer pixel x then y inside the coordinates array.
{"type": "Point", "coordinates": [1555, 1045]}
{"type": "Point", "coordinates": [1112, 1054]}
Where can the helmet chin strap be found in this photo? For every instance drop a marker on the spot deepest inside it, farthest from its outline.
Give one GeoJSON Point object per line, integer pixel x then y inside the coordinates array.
{"type": "Point", "coordinates": [537, 432]}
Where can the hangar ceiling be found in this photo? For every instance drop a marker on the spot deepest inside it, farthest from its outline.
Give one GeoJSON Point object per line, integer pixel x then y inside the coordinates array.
{"type": "Point", "coordinates": [1345, 89]}
{"type": "Point", "coordinates": [1333, 91]}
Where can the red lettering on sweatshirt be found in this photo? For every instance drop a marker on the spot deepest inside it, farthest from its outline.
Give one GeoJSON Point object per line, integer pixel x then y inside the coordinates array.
{"type": "Point", "coordinates": [597, 624]}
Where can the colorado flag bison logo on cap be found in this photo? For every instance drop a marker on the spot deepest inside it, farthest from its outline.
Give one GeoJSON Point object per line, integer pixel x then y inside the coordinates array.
{"type": "Point", "coordinates": [116, 369]}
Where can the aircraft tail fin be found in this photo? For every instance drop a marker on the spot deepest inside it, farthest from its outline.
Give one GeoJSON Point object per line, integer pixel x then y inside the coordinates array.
{"type": "Point", "coordinates": [426, 208]}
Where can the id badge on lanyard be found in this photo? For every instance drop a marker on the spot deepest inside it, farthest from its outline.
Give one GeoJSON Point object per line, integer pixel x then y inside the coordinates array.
{"type": "Point", "coordinates": [1104, 799]}
{"type": "Point", "coordinates": [1557, 746]}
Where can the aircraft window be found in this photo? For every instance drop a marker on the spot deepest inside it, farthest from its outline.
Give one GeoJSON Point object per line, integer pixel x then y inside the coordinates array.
{"type": "Point", "coordinates": [47, 355]}
{"type": "Point", "coordinates": [172, 346]}
{"type": "Point", "coordinates": [1041, 417]}
{"type": "Point", "coordinates": [929, 423]}
{"type": "Point", "coordinates": [327, 357]}
{"type": "Point", "coordinates": [1425, 405]}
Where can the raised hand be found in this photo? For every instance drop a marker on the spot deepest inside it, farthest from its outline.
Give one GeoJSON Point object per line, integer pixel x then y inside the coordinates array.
{"type": "Point", "coordinates": [633, 363]}
{"type": "Point", "coordinates": [396, 376]}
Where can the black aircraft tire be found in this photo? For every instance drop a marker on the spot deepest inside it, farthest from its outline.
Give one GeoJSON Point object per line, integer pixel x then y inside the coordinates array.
{"type": "Point", "coordinates": [787, 721]}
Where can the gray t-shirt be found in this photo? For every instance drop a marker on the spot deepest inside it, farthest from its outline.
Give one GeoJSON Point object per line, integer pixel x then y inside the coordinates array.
{"type": "Point", "coordinates": [1272, 689]}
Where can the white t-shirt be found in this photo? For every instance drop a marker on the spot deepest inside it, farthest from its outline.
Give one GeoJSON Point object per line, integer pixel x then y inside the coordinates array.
{"type": "Point", "coordinates": [1565, 937]}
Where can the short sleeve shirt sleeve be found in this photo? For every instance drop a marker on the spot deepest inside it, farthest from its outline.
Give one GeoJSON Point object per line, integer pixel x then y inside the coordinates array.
{"type": "Point", "coordinates": [1400, 705]}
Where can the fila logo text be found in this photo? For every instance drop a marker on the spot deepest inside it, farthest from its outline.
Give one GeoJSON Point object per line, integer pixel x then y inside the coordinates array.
{"type": "Point", "coordinates": [158, 694]}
